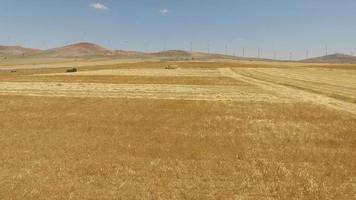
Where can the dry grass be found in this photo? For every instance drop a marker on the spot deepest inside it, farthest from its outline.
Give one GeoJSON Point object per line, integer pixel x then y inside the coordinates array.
{"type": "Point", "coordinates": [117, 148]}
{"type": "Point", "coordinates": [137, 64]}
{"type": "Point", "coordinates": [65, 148]}
{"type": "Point", "coordinates": [332, 66]}
{"type": "Point", "coordinates": [37, 63]}
{"type": "Point", "coordinates": [336, 83]}
{"type": "Point", "coordinates": [149, 72]}
{"type": "Point", "coordinates": [126, 79]}
{"type": "Point", "coordinates": [146, 91]}
{"type": "Point", "coordinates": [205, 64]}
{"type": "Point", "coordinates": [150, 64]}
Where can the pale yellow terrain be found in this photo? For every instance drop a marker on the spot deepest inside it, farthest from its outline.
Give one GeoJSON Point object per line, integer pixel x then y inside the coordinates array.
{"type": "Point", "coordinates": [208, 130]}
{"type": "Point", "coordinates": [150, 91]}
{"type": "Point", "coordinates": [147, 72]}
{"type": "Point", "coordinates": [294, 91]}
{"type": "Point", "coordinates": [61, 63]}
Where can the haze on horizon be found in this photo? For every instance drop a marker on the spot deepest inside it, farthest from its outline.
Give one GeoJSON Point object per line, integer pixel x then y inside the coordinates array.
{"type": "Point", "coordinates": [277, 27]}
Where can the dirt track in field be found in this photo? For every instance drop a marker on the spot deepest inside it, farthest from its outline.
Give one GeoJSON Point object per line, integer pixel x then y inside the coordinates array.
{"type": "Point", "coordinates": [192, 90]}
{"type": "Point", "coordinates": [332, 82]}
{"type": "Point", "coordinates": [249, 136]}
{"type": "Point", "coordinates": [266, 85]}
{"type": "Point", "coordinates": [286, 91]}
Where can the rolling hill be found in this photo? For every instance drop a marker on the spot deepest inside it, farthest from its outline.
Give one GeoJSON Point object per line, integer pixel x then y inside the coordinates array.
{"type": "Point", "coordinates": [77, 50]}
{"type": "Point", "coordinates": [172, 53]}
{"type": "Point", "coordinates": [87, 50]}
{"type": "Point", "coordinates": [8, 51]}
{"type": "Point", "coordinates": [180, 54]}
{"type": "Point", "coordinates": [333, 58]}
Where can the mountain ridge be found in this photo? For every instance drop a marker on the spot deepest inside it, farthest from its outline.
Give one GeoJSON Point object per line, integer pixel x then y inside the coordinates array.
{"type": "Point", "coordinates": [86, 49]}
{"type": "Point", "coordinates": [333, 58]}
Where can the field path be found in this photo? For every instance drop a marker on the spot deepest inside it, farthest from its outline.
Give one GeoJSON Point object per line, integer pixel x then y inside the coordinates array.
{"type": "Point", "coordinates": [294, 93]}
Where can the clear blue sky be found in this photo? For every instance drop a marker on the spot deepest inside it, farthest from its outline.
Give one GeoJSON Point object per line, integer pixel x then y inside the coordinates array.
{"type": "Point", "coordinates": [280, 26]}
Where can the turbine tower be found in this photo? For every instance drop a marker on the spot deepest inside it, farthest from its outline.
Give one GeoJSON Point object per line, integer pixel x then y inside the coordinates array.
{"type": "Point", "coordinates": [208, 46]}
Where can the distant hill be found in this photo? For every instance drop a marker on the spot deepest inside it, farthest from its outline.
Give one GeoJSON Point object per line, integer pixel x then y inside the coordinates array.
{"type": "Point", "coordinates": [89, 50]}
{"type": "Point", "coordinates": [180, 54]}
{"type": "Point", "coordinates": [85, 49]}
{"type": "Point", "coordinates": [77, 50]}
{"type": "Point", "coordinates": [172, 53]}
{"type": "Point", "coordinates": [333, 58]}
{"type": "Point", "coordinates": [129, 54]}
{"type": "Point", "coordinates": [6, 51]}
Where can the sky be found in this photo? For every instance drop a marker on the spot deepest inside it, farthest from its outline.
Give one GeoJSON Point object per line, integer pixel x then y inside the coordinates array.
{"type": "Point", "coordinates": [281, 29]}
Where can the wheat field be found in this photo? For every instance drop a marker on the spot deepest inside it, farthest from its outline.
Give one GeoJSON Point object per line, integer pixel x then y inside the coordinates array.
{"type": "Point", "coordinates": [208, 130]}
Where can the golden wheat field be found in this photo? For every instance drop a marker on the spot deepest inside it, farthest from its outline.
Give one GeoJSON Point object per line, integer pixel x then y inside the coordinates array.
{"type": "Point", "coordinates": [206, 130]}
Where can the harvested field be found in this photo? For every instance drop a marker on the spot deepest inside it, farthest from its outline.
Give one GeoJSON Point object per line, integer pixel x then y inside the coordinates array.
{"type": "Point", "coordinates": [177, 100]}
{"type": "Point", "coordinates": [125, 79]}
{"type": "Point", "coordinates": [62, 148]}
{"type": "Point", "coordinates": [292, 91]}
{"type": "Point", "coordinates": [150, 72]}
{"type": "Point", "coordinates": [192, 133]}
{"type": "Point", "coordinates": [340, 84]}
{"type": "Point", "coordinates": [154, 91]}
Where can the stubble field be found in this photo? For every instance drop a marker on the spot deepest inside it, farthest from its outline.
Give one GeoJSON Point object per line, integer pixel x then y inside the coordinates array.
{"type": "Point", "coordinates": [139, 131]}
